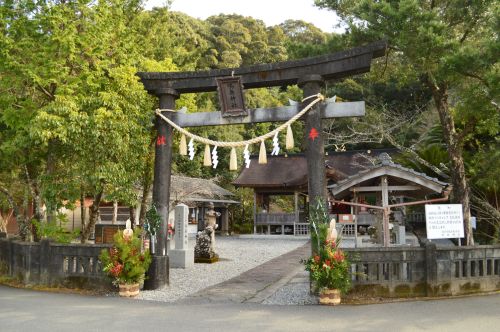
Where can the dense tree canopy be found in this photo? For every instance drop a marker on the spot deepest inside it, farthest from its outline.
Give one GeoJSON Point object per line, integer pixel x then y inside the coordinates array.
{"type": "Point", "coordinates": [75, 121]}
{"type": "Point", "coordinates": [452, 47]}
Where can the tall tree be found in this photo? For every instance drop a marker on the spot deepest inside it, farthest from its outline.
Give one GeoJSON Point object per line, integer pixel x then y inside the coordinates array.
{"type": "Point", "coordinates": [452, 45]}
{"type": "Point", "coordinates": [73, 97]}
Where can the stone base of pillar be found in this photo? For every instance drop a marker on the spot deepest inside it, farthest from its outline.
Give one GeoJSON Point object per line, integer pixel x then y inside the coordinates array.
{"type": "Point", "coordinates": [181, 258]}
{"type": "Point", "coordinates": [157, 275]}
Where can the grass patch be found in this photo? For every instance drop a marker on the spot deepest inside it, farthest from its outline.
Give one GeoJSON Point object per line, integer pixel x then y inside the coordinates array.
{"type": "Point", "coordinates": [13, 282]}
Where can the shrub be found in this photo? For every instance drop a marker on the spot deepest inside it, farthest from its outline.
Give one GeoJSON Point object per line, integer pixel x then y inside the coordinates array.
{"type": "Point", "coordinates": [124, 262]}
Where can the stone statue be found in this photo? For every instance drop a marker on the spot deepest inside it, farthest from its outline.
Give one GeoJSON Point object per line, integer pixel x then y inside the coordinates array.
{"type": "Point", "coordinates": [332, 231]}
{"type": "Point", "coordinates": [211, 222]}
{"type": "Point", "coordinates": [205, 240]}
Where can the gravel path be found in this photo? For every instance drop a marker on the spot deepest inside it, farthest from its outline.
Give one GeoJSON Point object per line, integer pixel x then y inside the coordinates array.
{"type": "Point", "coordinates": [292, 294]}
{"type": "Point", "coordinates": [237, 256]}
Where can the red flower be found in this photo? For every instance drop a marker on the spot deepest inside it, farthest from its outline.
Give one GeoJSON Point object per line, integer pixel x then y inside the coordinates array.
{"type": "Point", "coordinates": [316, 259]}
{"type": "Point", "coordinates": [327, 262]}
{"type": "Point", "coordinates": [338, 256]}
{"type": "Point", "coordinates": [116, 270]}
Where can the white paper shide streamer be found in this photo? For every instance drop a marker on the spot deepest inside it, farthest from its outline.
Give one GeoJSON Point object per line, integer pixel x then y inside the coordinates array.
{"type": "Point", "coordinates": [210, 158]}
{"type": "Point", "coordinates": [276, 146]}
{"type": "Point", "coordinates": [246, 156]}
{"type": "Point", "coordinates": [215, 158]}
{"type": "Point", "coordinates": [191, 149]}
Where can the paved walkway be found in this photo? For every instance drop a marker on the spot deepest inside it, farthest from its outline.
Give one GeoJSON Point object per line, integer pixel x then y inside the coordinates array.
{"type": "Point", "coordinates": [25, 310]}
{"type": "Point", "coordinates": [257, 284]}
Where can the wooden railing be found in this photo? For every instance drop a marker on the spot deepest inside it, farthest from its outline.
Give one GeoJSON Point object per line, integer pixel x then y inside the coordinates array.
{"type": "Point", "coordinates": [275, 218]}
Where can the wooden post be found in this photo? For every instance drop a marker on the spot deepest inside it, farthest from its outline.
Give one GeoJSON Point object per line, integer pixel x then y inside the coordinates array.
{"type": "Point", "coordinates": [354, 211]}
{"type": "Point", "coordinates": [163, 161]}
{"type": "Point", "coordinates": [315, 150]}
{"type": "Point", "coordinates": [385, 205]}
{"type": "Point", "coordinates": [254, 212]}
{"type": "Point", "coordinates": [296, 209]}
{"type": "Point", "coordinates": [225, 220]}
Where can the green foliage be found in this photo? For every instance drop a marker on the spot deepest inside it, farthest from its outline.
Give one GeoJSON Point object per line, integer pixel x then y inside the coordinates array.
{"type": "Point", "coordinates": [319, 223]}
{"type": "Point", "coordinates": [55, 230]}
{"type": "Point", "coordinates": [124, 262]}
{"type": "Point", "coordinates": [239, 40]}
{"type": "Point", "coordinates": [153, 221]}
{"type": "Point", "coordinates": [330, 268]}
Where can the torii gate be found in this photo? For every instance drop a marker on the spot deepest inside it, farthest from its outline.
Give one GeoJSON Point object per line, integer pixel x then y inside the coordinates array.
{"type": "Point", "coordinates": [309, 74]}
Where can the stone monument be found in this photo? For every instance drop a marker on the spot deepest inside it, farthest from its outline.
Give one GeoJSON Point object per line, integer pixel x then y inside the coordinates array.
{"type": "Point", "coordinates": [182, 256]}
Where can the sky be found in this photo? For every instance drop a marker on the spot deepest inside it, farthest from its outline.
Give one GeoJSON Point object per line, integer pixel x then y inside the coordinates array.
{"type": "Point", "coordinates": [272, 12]}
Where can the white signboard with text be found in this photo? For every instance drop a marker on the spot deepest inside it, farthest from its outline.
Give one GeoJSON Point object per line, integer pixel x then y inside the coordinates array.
{"type": "Point", "coordinates": [444, 221]}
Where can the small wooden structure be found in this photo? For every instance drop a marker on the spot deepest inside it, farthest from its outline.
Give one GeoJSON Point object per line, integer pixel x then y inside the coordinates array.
{"type": "Point", "coordinates": [196, 193]}
{"type": "Point", "coordinates": [379, 183]}
{"type": "Point", "coordinates": [281, 188]}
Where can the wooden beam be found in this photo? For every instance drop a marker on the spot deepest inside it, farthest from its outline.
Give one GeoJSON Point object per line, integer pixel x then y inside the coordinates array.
{"type": "Point", "coordinates": [331, 66]}
{"type": "Point", "coordinates": [280, 114]}
{"type": "Point", "coordinates": [390, 171]}
{"type": "Point", "coordinates": [386, 212]}
{"type": "Point", "coordinates": [379, 188]}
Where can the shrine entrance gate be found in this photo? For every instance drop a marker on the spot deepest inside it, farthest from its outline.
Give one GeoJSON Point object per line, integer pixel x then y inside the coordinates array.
{"type": "Point", "coordinates": [310, 74]}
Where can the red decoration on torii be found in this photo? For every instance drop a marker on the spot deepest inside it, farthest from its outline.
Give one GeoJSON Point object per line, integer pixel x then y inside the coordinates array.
{"type": "Point", "coordinates": [313, 134]}
{"type": "Point", "coordinates": [160, 140]}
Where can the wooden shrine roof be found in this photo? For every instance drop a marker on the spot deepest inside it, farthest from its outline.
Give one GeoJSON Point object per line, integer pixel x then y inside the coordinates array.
{"type": "Point", "coordinates": [291, 171]}
{"type": "Point", "coordinates": [399, 174]}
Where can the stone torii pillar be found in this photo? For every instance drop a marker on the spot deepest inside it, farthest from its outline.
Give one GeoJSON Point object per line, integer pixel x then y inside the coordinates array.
{"type": "Point", "coordinates": [309, 73]}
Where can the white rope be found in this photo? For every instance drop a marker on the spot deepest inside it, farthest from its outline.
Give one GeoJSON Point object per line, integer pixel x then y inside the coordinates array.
{"type": "Point", "coordinates": [270, 134]}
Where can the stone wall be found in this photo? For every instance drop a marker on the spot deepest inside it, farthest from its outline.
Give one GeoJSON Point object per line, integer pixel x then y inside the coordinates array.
{"type": "Point", "coordinates": [427, 271]}
{"type": "Point", "coordinates": [53, 264]}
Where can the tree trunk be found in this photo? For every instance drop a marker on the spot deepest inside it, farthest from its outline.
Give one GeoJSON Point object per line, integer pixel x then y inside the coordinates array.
{"type": "Point", "coordinates": [454, 142]}
{"type": "Point", "coordinates": [50, 171]}
{"type": "Point", "coordinates": [131, 211]}
{"type": "Point", "coordinates": [37, 202]}
{"type": "Point", "coordinates": [115, 212]}
{"type": "Point", "coordinates": [20, 218]}
{"type": "Point", "coordinates": [487, 213]}
{"type": "Point", "coordinates": [82, 208]}
{"type": "Point", "coordinates": [93, 215]}
{"type": "Point", "coordinates": [147, 182]}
